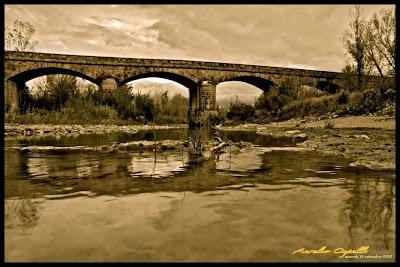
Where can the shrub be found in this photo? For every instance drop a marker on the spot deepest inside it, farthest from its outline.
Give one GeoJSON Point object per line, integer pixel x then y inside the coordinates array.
{"type": "Point", "coordinates": [372, 100]}
{"type": "Point", "coordinates": [342, 98]}
{"type": "Point", "coordinates": [329, 124]}
{"type": "Point", "coordinates": [240, 111]}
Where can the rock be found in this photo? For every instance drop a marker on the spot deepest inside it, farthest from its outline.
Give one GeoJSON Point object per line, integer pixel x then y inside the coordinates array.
{"type": "Point", "coordinates": [28, 132]}
{"type": "Point", "coordinates": [293, 132]}
{"type": "Point", "coordinates": [302, 136]}
{"type": "Point", "coordinates": [38, 131]}
{"type": "Point", "coordinates": [362, 136]}
{"type": "Point", "coordinates": [296, 134]}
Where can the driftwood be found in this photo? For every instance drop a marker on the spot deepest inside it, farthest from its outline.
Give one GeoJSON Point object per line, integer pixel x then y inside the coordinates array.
{"type": "Point", "coordinates": [220, 146]}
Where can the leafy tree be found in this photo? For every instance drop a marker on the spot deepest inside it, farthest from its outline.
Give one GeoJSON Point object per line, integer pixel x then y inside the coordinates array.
{"type": "Point", "coordinates": [20, 37]}
{"type": "Point", "coordinates": [61, 88]}
{"type": "Point", "coordinates": [124, 102]}
{"type": "Point", "coordinates": [144, 106]}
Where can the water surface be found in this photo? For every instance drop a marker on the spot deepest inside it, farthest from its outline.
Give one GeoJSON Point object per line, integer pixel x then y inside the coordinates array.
{"type": "Point", "coordinates": [257, 205]}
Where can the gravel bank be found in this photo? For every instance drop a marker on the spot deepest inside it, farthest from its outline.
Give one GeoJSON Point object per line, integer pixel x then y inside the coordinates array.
{"type": "Point", "coordinates": [367, 140]}
{"type": "Point", "coordinates": [75, 130]}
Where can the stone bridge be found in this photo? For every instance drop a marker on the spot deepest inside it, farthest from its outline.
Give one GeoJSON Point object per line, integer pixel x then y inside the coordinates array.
{"type": "Point", "coordinates": [199, 77]}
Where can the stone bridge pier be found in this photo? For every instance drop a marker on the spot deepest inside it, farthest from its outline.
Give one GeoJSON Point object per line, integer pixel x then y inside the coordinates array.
{"type": "Point", "coordinates": [11, 95]}
{"type": "Point", "coordinates": [109, 85]}
{"type": "Point", "coordinates": [202, 103]}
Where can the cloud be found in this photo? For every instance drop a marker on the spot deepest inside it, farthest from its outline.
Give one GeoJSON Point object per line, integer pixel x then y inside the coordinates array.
{"type": "Point", "coordinates": [185, 37]}
{"type": "Point", "coordinates": [299, 36]}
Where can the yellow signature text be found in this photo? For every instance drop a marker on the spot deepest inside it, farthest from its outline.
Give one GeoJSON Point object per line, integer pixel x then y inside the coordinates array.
{"type": "Point", "coordinates": [324, 250]}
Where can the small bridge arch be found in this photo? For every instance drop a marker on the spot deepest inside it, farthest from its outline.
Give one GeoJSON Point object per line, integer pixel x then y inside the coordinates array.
{"type": "Point", "coordinates": [261, 83]}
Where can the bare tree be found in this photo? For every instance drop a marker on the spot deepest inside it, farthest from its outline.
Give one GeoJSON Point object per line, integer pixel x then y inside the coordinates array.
{"type": "Point", "coordinates": [20, 37]}
{"type": "Point", "coordinates": [355, 43]}
{"type": "Point", "coordinates": [381, 38]}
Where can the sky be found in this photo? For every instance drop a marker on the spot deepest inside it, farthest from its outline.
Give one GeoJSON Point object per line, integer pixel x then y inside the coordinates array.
{"type": "Point", "coordinates": [296, 36]}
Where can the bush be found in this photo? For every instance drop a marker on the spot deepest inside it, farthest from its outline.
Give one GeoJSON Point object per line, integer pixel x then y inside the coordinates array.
{"type": "Point", "coordinates": [342, 98]}
{"type": "Point", "coordinates": [371, 100]}
{"type": "Point", "coordinates": [329, 124]}
{"type": "Point", "coordinates": [240, 111]}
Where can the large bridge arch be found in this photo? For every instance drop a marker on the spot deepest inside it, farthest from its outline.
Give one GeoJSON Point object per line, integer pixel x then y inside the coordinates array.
{"type": "Point", "coordinates": [181, 79]}
{"type": "Point", "coordinates": [188, 83]}
{"type": "Point", "coordinates": [24, 76]}
{"type": "Point", "coordinates": [15, 81]}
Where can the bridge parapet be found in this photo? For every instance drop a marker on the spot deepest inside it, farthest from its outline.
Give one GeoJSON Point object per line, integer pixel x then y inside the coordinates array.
{"type": "Point", "coordinates": [165, 63]}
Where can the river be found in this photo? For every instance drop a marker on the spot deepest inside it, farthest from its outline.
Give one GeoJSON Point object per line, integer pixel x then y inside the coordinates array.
{"type": "Point", "coordinates": [258, 205]}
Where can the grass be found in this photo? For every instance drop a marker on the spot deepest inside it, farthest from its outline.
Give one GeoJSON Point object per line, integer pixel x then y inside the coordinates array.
{"type": "Point", "coordinates": [329, 124]}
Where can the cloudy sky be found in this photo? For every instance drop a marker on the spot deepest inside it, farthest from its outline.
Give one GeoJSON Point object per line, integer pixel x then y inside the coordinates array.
{"type": "Point", "coordinates": [297, 36]}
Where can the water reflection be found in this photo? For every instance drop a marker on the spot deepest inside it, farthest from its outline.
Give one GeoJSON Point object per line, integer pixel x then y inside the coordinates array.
{"type": "Point", "coordinates": [257, 139]}
{"type": "Point", "coordinates": [21, 213]}
{"type": "Point", "coordinates": [38, 167]}
{"type": "Point", "coordinates": [101, 139]}
{"type": "Point", "coordinates": [243, 162]}
{"type": "Point", "coordinates": [256, 204]}
{"type": "Point", "coordinates": [86, 167]}
{"type": "Point", "coordinates": [157, 164]}
{"type": "Point", "coordinates": [368, 214]}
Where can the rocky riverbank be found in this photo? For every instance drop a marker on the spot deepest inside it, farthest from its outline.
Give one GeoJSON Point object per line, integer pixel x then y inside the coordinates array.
{"type": "Point", "coordinates": [366, 140]}
{"type": "Point", "coordinates": [75, 130]}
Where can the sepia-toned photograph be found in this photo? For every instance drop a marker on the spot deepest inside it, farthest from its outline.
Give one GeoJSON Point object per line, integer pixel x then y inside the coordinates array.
{"type": "Point", "coordinates": [199, 133]}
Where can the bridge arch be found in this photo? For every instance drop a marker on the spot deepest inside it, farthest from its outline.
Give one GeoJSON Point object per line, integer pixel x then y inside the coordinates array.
{"type": "Point", "coordinates": [261, 83]}
{"type": "Point", "coordinates": [327, 86]}
{"type": "Point", "coordinates": [27, 75]}
{"type": "Point", "coordinates": [187, 82]}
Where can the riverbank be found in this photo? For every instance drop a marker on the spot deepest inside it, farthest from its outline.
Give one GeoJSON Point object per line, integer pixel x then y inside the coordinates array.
{"type": "Point", "coordinates": [367, 140]}
{"type": "Point", "coordinates": [76, 130]}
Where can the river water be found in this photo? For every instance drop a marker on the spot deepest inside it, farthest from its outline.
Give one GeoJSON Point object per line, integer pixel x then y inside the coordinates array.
{"type": "Point", "coordinates": [261, 204]}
